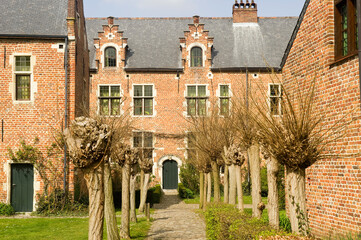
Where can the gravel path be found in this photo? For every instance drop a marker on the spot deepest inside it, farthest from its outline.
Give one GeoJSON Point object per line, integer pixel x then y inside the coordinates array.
{"type": "Point", "coordinates": [173, 219]}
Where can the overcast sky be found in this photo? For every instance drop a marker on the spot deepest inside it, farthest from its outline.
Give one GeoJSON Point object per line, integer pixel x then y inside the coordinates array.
{"type": "Point", "coordinates": [186, 8]}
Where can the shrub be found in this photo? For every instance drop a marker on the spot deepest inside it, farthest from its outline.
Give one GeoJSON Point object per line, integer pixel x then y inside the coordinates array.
{"type": "Point", "coordinates": [184, 192]}
{"type": "Point", "coordinates": [6, 210]}
{"type": "Point", "coordinates": [156, 194]}
{"type": "Point", "coordinates": [189, 176]}
{"type": "Point", "coordinates": [285, 223]}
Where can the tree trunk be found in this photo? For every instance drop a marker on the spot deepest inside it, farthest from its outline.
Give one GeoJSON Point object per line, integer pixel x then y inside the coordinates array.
{"type": "Point", "coordinates": [226, 184]}
{"type": "Point", "coordinates": [109, 210]}
{"type": "Point", "coordinates": [133, 213]}
{"type": "Point", "coordinates": [141, 208]}
{"type": "Point", "coordinates": [125, 226]}
{"type": "Point", "coordinates": [145, 190]}
{"type": "Point", "coordinates": [272, 205]}
{"type": "Point", "coordinates": [209, 187]}
{"type": "Point", "coordinates": [94, 181]}
{"type": "Point", "coordinates": [216, 184]}
{"type": "Point", "coordinates": [254, 162]}
{"type": "Point", "coordinates": [296, 201]}
{"type": "Point", "coordinates": [232, 184]}
{"type": "Point", "coordinates": [201, 189]}
{"type": "Point", "coordinates": [205, 192]}
{"type": "Point", "coordinates": [239, 188]}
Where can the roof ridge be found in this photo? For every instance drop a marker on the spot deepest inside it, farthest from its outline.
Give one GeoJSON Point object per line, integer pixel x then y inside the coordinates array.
{"type": "Point", "coordinates": [154, 18]}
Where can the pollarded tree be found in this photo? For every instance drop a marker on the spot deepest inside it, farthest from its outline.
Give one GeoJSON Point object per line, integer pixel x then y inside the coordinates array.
{"type": "Point", "coordinates": [126, 157]}
{"type": "Point", "coordinates": [88, 145]}
{"type": "Point", "coordinates": [146, 167]}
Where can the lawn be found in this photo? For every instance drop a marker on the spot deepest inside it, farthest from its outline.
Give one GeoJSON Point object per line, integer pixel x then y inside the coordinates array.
{"type": "Point", "coordinates": [246, 200]}
{"type": "Point", "coordinates": [59, 228]}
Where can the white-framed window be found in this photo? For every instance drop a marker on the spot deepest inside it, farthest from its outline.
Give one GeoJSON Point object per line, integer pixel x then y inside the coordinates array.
{"type": "Point", "coordinates": [23, 71]}
{"type": "Point", "coordinates": [196, 57]}
{"type": "Point", "coordinates": [109, 99]}
{"type": "Point", "coordinates": [275, 98]}
{"type": "Point", "coordinates": [143, 97]}
{"type": "Point", "coordinates": [196, 100]}
{"type": "Point", "coordinates": [224, 100]}
{"type": "Point", "coordinates": [144, 141]}
{"type": "Point", "coordinates": [110, 57]}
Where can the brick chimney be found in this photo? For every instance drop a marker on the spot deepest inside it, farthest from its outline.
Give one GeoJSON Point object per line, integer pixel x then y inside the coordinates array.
{"type": "Point", "coordinates": [196, 19]}
{"type": "Point", "coordinates": [245, 12]}
{"type": "Point", "coordinates": [110, 21]}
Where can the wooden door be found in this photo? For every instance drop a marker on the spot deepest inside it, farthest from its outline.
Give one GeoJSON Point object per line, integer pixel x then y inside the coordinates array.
{"type": "Point", "coordinates": [22, 187]}
{"type": "Point", "coordinates": [170, 175]}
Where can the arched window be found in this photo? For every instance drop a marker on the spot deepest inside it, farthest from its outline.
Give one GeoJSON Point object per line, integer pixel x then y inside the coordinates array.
{"type": "Point", "coordinates": [196, 57]}
{"type": "Point", "coordinates": [110, 56]}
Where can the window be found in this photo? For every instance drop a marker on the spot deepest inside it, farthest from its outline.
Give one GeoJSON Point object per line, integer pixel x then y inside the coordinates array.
{"type": "Point", "coordinates": [109, 100]}
{"type": "Point", "coordinates": [143, 100]}
{"type": "Point", "coordinates": [196, 100]}
{"type": "Point", "coordinates": [275, 95]}
{"type": "Point", "coordinates": [346, 42]}
{"type": "Point", "coordinates": [110, 56]}
{"type": "Point", "coordinates": [196, 57]}
{"type": "Point", "coordinates": [224, 100]}
{"type": "Point", "coordinates": [191, 147]}
{"type": "Point", "coordinates": [144, 142]}
{"type": "Point", "coordinates": [22, 78]}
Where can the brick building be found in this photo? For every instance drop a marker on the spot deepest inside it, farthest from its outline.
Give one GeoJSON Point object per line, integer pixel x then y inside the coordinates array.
{"type": "Point", "coordinates": [44, 81]}
{"type": "Point", "coordinates": [324, 46]}
{"type": "Point", "coordinates": [163, 70]}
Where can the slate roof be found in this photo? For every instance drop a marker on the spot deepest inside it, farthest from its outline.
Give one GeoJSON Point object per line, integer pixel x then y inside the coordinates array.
{"type": "Point", "coordinates": [33, 17]}
{"type": "Point", "coordinates": [154, 42]}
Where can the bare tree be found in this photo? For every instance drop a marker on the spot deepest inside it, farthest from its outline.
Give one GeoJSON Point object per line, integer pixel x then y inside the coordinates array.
{"type": "Point", "coordinates": [146, 167]}
{"type": "Point", "coordinates": [133, 180]}
{"type": "Point", "coordinates": [88, 145]}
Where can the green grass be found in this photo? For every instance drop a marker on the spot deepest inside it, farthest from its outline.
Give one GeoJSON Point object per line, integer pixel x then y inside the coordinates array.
{"type": "Point", "coordinates": [59, 228]}
{"type": "Point", "coordinates": [246, 200]}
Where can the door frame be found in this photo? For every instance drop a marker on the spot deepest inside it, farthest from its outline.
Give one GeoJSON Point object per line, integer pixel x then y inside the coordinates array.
{"type": "Point", "coordinates": [168, 158]}
{"type": "Point", "coordinates": [36, 185]}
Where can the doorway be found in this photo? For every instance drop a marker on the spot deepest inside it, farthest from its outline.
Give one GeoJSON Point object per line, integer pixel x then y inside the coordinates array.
{"type": "Point", "coordinates": [170, 174]}
{"type": "Point", "coordinates": [22, 187]}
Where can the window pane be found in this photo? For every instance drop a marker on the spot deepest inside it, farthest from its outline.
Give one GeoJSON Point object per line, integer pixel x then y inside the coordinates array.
{"type": "Point", "coordinates": [196, 57]}
{"type": "Point", "coordinates": [115, 91]}
{"type": "Point", "coordinates": [274, 90]}
{"type": "Point", "coordinates": [110, 57]}
{"type": "Point", "coordinates": [104, 91]}
{"type": "Point", "coordinates": [23, 87]}
{"type": "Point", "coordinates": [201, 107]}
{"type": "Point", "coordinates": [224, 106]}
{"type": "Point", "coordinates": [344, 23]}
{"type": "Point", "coordinates": [201, 91]}
{"type": "Point", "coordinates": [191, 107]}
{"type": "Point", "coordinates": [148, 140]}
{"type": "Point", "coordinates": [274, 105]}
{"type": "Point", "coordinates": [22, 63]}
{"type": "Point", "coordinates": [224, 90]}
{"type": "Point", "coordinates": [137, 106]}
{"type": "Point", "coordinates": [148, 106]}
{"type": "Point", "coordinates": [191, 91]}
{"type": "Point", "coordinates": [104, 107]}
{"type": "Point", "coordinates": [137, 139]}
{"type": "Point", "coordinates": [148, 91]}
{"type": "Point", "coordinates": [138, 91]}
{"type": "Point", "coordinates": [115, 107]}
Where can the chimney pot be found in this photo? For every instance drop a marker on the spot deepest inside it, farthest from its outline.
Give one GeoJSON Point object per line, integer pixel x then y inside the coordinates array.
{"type": "Point", "coordinates": [245, 12]}
{"type": "Point", "coordinates": [110, 20]}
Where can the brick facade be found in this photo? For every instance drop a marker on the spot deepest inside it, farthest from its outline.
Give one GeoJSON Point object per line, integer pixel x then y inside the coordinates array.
{"type": "Point", "coordinates": [43, 115]}
{"type": "Point", "coordinates": [333, 189]}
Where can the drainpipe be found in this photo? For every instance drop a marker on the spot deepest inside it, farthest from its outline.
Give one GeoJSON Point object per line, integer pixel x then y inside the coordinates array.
{"type": "Point", "coordinates": [66, 105]}
{"type": "Point", "coordinates": [359, 39]}
{"type": "Point", "coordinates": [247, 103]}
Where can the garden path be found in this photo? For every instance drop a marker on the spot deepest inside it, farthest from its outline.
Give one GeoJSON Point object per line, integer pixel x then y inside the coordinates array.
{"type": "Point", "coordinates": [173, 219]}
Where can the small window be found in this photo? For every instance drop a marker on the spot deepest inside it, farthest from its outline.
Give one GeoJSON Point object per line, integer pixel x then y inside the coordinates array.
{"type": "Point", "coordinates": [196, 57]}
{"type": "Point", "coordinates": [275, 97]}
{"type": "Point", "coordinates": [346, 28]}
{"type": "Point", "coordinates": [196, 100]}
{"type": "Point", "coordinates": [144, 141]}
{"type": "Point", "coordinates": [109, 100]}
{"type": "Point", "coordinates": [143, 100]}
{"type": "Point", "coordinates": [110, 56]}
{"type": "Point", "coordinates": [224, 100]}
{"type": "Point", "coordinates": [22, 78]}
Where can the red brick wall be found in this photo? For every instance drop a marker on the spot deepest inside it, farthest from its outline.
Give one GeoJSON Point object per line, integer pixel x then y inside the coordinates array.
{"type": "Point", "coordinates": [333, 185]}
{"type": "Point", "coordinates": [169, 123]}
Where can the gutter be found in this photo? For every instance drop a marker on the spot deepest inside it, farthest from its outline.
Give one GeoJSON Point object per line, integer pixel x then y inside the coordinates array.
{"type": "Point", "coordinates": [66, 105]}
{"type": "Point", "coordinates": [153, 69]}
{"type": "Point", "coordinates": [33, 36]}
{"type": "Point", "coordinates": [247, 69]}
{"type": "Point", "coordinates": [359, 40]}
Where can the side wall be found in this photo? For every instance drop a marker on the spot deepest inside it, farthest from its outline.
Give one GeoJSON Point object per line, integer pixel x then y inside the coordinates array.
{"type": "Point", "coordinates": [333, 185]}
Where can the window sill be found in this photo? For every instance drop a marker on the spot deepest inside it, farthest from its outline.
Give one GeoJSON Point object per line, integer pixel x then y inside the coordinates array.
{"type": "Point", "coordinates": [341, 60]}
{"type": "Point", "coordinates": [143, 116]}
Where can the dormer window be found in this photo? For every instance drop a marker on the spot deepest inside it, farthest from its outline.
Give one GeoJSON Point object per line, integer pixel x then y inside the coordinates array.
{"type": "Point", "coordinates": [110, 57]}
{"type": "Point", "coordinates": [196, 57]}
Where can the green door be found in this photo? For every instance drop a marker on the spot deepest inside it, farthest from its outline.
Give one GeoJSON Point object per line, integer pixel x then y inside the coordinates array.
{"type": "Point", "coordinates": [170, 175]}
{"type": "Point", "coordinates": [22, 187]}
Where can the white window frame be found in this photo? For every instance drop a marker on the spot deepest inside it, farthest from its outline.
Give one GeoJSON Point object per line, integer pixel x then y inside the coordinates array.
{"type": "Point", "coordinates": [143, 97]}
{"type": "Point", "coordinates": [33, 86]}
{"type": "Point", "coordinates": [98, 99]}
{"type": "Point", "coordinates": [279, 96]}
{"type": "Point", "coordinates": [196, 97]}
{"type": "Point", "coordinates": [220, 97]}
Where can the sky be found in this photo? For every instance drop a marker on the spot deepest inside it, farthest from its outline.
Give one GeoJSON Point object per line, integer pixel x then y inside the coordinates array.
{"type": "Point", "coordinates": [186, 8]}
